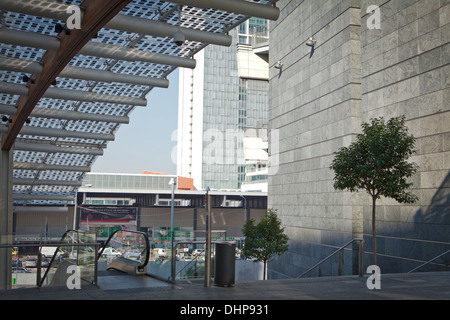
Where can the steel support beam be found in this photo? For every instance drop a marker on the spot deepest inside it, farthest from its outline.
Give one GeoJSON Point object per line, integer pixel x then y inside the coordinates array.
{"type": "Point", "coordinates": [96, 14]}
{"type": "Point", "coordinates": [50, 148]}
{"type": "Point", "coordinates": [43, 209]}
{"type": "Point", "coordinates": [131, 54]}
{"type": "Point", "coordinates": [247, 8]}
{"type": "Point", "coordinates": [60, 133]}
{"type": "Point", "coordinates": [50, 167]}
{"type": "Point", "coordinates": [163, 29]}
{"type": "Point", "coordinates": [109, 51]}
{"type": "Point", "coordinates": [66, 114]}
{"type": "Point", "coordinates": [75, 95]}
{"type": "Point", "coordinates": [44, 197]}
{"type": "Point", "coordinates": [25, 66]}
{"type": "Point", "coordinates": [30, 182]}
{"type": "Point", "coordinates": [122, 22]}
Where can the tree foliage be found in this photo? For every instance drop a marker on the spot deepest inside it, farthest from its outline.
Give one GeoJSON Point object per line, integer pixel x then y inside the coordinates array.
{"type": "Point", "coordinates": [377, 163]}
{"type": "Point", "coordinates": [265, 239]}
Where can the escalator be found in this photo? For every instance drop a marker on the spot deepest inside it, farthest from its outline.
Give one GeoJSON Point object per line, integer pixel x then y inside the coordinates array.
{"type": "Point", "coordinates": [125, 253]}
{"type": "Point", "coordinates": [75, 251]}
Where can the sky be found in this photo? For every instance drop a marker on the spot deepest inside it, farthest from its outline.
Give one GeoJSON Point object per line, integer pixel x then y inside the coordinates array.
{"type": "Point", "coordinates": [145, 144]}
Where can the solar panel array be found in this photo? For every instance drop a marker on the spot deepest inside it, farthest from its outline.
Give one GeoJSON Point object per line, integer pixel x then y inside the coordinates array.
{"type": "Point", "coordinates": [52, 177]}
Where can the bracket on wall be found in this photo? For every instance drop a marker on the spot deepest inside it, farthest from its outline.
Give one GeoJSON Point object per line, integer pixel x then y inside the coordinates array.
{"type": "Point", "coordinates": [311, 43]}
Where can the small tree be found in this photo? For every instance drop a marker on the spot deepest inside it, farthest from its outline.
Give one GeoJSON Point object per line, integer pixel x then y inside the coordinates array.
{"type": "Point", "coordinates": [376, 162]}
{"type": "Point", "coordinates": [265, 239]}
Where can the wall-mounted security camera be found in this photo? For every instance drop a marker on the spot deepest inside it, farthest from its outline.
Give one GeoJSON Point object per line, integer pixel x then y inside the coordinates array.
{"type": "Point", "coordinates": [311, 42]}
{"type": "Point", "coordinates": [179, 38]}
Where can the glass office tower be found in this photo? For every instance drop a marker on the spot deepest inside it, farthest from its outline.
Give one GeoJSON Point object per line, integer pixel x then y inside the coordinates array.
{"type": "Point", "coordinates": [221, 101]}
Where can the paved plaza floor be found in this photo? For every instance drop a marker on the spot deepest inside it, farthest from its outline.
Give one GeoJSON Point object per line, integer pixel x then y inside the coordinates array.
{"type": "Point", "coordinates": [413, 286]}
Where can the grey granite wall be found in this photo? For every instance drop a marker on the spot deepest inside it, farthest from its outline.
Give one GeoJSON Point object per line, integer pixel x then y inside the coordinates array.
{"type": "Point", "coordinates": [317, 104]}
{"type": "Point", "coordinates": [406, 71]}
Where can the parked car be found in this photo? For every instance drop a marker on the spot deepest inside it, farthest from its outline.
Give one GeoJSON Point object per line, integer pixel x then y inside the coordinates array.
{"type": "Point", "coordinates": [45, 263]}
{"type": "Point", "coordinates": [111, 253]}
{"type": "Point", "coordinates": [30, 262]}
{"type": "Point", "coordinates": [132, 254]}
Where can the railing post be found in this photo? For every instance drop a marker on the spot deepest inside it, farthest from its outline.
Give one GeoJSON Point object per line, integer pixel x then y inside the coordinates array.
{"type": "Point", "coordinates": [339, 264]}
{"type": "Point", "coordinates": [360, 258]}
{"type": "Point", "coordinates": [38, 269]}
{"type": "Point", "coordinates": [96, 248]}
{"type": "Point", "coordinates": [173, 263]}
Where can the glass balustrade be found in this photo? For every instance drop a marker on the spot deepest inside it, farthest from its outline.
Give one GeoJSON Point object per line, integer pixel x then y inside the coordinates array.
{"type": "Point", "coordinates": [131, 246]}
{"type": "Point", "coordinates": [57, 260]}
{"type": "Point", "coordinates": [193, 266]}
{"type": "Point", "coordinates": [134, 247]}
{"type": "Point", "coordinates": [188, 253]}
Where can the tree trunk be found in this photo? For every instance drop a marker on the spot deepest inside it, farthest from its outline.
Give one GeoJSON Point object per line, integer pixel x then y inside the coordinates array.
{"type": "Point", "coordinates": [374, 199]}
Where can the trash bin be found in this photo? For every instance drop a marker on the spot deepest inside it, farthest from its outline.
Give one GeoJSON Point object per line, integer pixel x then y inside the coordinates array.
{"type": "Point", "coordinates": [224, 263]}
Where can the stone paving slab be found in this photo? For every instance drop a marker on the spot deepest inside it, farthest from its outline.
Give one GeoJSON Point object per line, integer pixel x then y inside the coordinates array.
{"type": "Point", "coordinates": [415, 286]}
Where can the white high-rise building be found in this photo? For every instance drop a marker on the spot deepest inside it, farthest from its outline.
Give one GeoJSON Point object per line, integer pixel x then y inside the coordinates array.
{"type": "Point", "coordinates": [222, 100]}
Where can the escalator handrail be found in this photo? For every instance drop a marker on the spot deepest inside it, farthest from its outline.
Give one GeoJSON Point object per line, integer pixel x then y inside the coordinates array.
{"type": "Point", "coordinates": [147, 244]}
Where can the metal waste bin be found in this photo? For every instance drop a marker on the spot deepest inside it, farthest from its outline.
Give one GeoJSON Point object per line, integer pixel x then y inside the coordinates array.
{"type": "Point", "coordinates": [225, 263]}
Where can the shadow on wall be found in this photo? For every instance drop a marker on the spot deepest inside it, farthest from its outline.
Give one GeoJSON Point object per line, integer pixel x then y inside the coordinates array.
{"type": "Point", "coordinates": [438, 212]}
{"type": "Point", "coordinates": [433, 223]}
{"type": "Point", "coordinates": [403, 246]}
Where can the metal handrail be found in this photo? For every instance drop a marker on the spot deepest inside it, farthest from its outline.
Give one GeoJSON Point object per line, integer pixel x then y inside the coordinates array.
{"type": "Point", "coordinates": [429, 261]}
{"type": "Point", "coordinates": [338, 251]}
{"type": "Point", "coordinates": [187, 265]}
{"type": "Point", "coordinates": [147, 244]}
{"type": "Point", "coordinates": [173, 262]}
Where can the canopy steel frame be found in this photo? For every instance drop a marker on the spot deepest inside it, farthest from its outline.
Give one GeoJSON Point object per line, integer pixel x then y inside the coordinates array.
{"type": "Point", "coordinates": [68, 94]}
{"type": "Point", "coordinates": [34, 182]}
{"type": "Point", "coordinates": [50, 148]}
{"type": "Point", "coordinates": [60, 133]}
{"type": "Point", "coordinates": [121, 22]}
{"type": "Point", "coordinates": [96, 15]}
{"type": "Point", "coordinates": [25, 66]}
{"type": "Point", "coordinates": [236, 6]}
{"type": "Point", "coordinates": [66, 115]}
{"type": "Point", "coordinates": [95, 49]}
{"type": "Point", "coordinates": [46, 166]}
{"type": "Point", "coordinates": [104, 81]}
